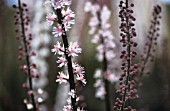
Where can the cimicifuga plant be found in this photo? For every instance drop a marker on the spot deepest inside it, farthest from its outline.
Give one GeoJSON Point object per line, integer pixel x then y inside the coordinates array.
{"type": "Point", "coordinates": [103, 37]}
{"type": "Point", "coordinates": [151, 41]}
{"type": "Point", "coordinates": [127, 90]}
{"type": "Point", "coordinates": [61, 20]}
{"type": "Point", "coordinates": [40, 44]}
{"type": "Point", "coordinates": [29, 67]}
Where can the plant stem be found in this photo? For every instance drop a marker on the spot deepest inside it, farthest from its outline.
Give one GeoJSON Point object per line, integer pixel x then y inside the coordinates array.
{"type": "Point", "coordinates": [104, 64]}
{"type": "Point", "coordinates": [27, 55]}
{"type": "Point", "coordinates": [148, 54]}
{"type": "Point", "coordinates": [128, 61]}
{"type": "Point", "coordinates": [69, 60]}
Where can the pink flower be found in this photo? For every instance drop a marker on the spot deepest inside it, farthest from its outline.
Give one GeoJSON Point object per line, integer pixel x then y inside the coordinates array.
{"type": "Point", "coordinates": [100, 93]}
{"type": "Point", "coordinates": [93, 21]}
{"type": "Point", "coordinates": [67, 108]}
{"type": "Point", "coordinates": [68, 12]}
{"type": "Point", "coordinates": [95, 39]}
{"type": "Point", "coordinates": [57, 31]}
{"type": "Point", "coordinates": [79, 70]}
{"type": "Point", "coordinates": [110, 55]}
{"type": "Point", "coordinates": [98, 83]}
{"type": "Point", "coordinates": [74, 49]}
{"type": "Point", "coordinates": [62, 78]}
{"type": "Point", "coordinates": [111, 77]}
{"type": "Point", "coordinates": [100, 48]}
{"type": "Point", "coordinates": [57, 5]}
{"type": "Point", "coordinates": [78, 109]}
{"type": "Point", "coordinates": [98, 73]}
{"type": "Point", "coordinates": [51, 18]}
{"type": "Point", "coordinates": [81, 78]}
{"type": "Point", "coordinates": [65, 2]}
{"type": "Point", "coordinates": [88, 6]}
{"type": "Point", "coordinates": [58, 48]}
{"type": "Point", "coordinates": [72, 93]}
{"type": "Point", "coordinates": [99, 57]}
{"type": "Point", "coordinates": [68, 21]}
{"type": "Point", "coordinates": [105, 14]}
{"type": "Point", "coordinates": [62, 61]}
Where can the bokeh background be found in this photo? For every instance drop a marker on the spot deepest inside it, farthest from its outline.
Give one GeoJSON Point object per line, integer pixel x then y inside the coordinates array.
{"type": "Point", "coordinates": [154, 94]}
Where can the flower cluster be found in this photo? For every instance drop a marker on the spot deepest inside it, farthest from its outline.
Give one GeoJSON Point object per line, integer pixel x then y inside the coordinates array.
{"type": "Point", "coordinates": [102, 35]}
{"type": "Point", "coordinates": [40, 45]}
{"type": "Point", "coordinates": [61, 19]}
{"type": "Point", "coordinates": [68, 17]}
{"type": "Point", "coordinates": [153, 34]}
{"type": "Point", "coordinates": [127, 89]}
{"type": "Point", "coordinates": [25, 54]}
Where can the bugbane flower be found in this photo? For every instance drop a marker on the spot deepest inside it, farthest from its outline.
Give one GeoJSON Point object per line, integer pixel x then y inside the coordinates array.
{"type": "Point", "coordinates": [62, 61]}
{"type": "Point", "coordinates": [57, 31]}
{"type": "Point", "coordinates": [81, 78]}
{"type": "Point", "coordinates": [58, 48]}
{"type": "Point", "coordinates": [65, 2]}
{"type": "Point", "coordinates": [51, 17]}
{"type": "Point", "coordinates": [62, 77]}
{"type": "Point", "coordinates": [74, 49]}
{"type": "Point", "coordinates": [65, 18]}
{"type": "Point", "coordinates": [72, 93]}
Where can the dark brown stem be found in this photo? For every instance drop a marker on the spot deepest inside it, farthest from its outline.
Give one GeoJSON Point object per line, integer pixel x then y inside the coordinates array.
{"type": "Point", "coordinates": [129, 59]}
{"type": "Point", "coordinates": [69, 60]}
{"type": "Point", "coordinates": [27, 55]}
{"type": "Point", "coordinates": [146, 59]}
{"type": "Point", "coordinates": [148, 53]}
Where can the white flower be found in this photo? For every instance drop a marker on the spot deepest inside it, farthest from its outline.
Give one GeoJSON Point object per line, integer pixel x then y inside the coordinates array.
{"type": "Point", "coordinates": [105, 14]}
{"type": "Point", "coordinates": [100, 48]}
{"type": "Point", "coordinates": [40, 91]}
{"type": "Point", "coordinates": [57, 31]}
{"type": "Point", "coordinates": [67, 108]}
{"type": "Point", "coordinates": [111, 77]}
{"type": "Point", "coordinates": [78, 109]}
{"type": "Point", "coordinates": [110, 55]}
{"type": "Point", "coordinates": [79, 70]}
{"type": "Point", "coordinates": [65, 2]}
{"type": "Point", "coordinates": [100, 93]}
{"type": "Point", "coordinates": [98, 73]}
{"type": "Point", "coordinates": [88, 6]}
{"type": "Point", "coordinates": [72, 93]}
{"type": "Point", "coordinates": [57, 5]}
{"type": "Point", "coordinates": [62, 78]}
{"type": "Point", "coordinates": [62, 61]}
{"type": "Point", "coordinates": [81, 78]}
{"type": "Point", "coordinates": [98, 83]}
{"type": "Point", "coordinates": [68, 12]}
{"type": "Point", "coordinates": [92, 30]}
{"type": "Point", "coordinates": [29, 106]}
{"type": "Point", "coordinates": [99, 57]}
{"type": "Point", "coordinates": [68, 21]}
{"type": "Point", "coordinates": [58, 48]}
{"type": "Point", "coordinates": [40, 100]}
{"type": "Point", "coordinates": [74, 49]}
{"type": "Point", "coordinates": [51, 17]}
{"type": "Point", "coordinates": [93, 21]}
{"type": "Point", "coordinates": [95, 39]}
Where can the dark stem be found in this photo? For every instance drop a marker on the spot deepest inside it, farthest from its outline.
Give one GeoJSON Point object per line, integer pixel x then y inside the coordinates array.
{"type": "Point", "coordinates": [128, 61]}
{"type": "Point", "coordinates": [27, 56]}
{"type": "Point", "coordinates": [148, 54]}
{"type": "Point", "coordinates": [107, 83]}
{"type": "Point", "coordinates": [69, 60]}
